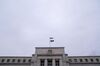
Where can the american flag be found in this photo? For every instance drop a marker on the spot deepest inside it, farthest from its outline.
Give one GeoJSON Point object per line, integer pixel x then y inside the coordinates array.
{"type": "Point", "coordinates": [51, 39]}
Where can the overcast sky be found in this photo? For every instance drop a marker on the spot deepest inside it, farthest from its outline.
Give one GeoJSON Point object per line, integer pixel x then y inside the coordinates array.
{"type": "Point", "coordinates": [26, 24]}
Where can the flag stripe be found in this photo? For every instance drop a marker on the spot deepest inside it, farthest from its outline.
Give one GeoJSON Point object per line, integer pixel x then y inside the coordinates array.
{"type": "Point", "coordinates": [51, 37]}
{"type": "Point", "coordinates": [51, 40]}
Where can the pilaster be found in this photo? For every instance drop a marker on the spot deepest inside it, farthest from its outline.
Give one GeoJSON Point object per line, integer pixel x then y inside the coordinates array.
{"type": "Point", "coordinates": [53, 62]}
{"type": "Point", "coordinates": [45, 63]}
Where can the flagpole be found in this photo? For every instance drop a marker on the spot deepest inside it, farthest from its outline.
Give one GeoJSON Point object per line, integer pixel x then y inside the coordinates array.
{"type": "Point", "coordinates": [49, 44]}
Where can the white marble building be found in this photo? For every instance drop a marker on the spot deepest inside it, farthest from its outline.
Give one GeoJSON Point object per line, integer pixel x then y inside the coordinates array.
{"type": "Point", "coordinates": [50, 56]}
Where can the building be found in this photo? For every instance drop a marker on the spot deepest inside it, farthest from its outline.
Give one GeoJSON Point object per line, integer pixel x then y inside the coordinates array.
{"type": "Point", "coordinates": [50, 56]}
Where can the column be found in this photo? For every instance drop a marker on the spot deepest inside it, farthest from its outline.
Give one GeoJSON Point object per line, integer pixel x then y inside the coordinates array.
{"type": "Point", "coordinates": [35, 60]}
{"type": "Point", "coordinates": [45, 63]}
{"type": "Point", "coordinates": [67, 64]}
{"type": "Point", "coordinates": [32, 63]}
{"type": "Point", "coordinates": [53, 62]}
{"type": "Point", "coordinates": [60, 62]}
{"type": "Point", "coordinates": [38, 62]}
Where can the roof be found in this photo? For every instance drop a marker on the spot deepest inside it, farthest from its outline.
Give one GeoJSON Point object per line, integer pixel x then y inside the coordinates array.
{"type": "Point", "coordinates": [49, 47]}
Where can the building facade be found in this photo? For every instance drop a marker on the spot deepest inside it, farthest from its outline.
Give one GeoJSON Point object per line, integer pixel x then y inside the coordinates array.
{"type": "Point", "coordinates": [50, 56]}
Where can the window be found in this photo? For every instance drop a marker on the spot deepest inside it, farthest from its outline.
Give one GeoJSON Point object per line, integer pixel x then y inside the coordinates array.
{"type": "Point", "coordinates": [91, 60]}
{"type": "Point", "coordinates": [3, 60]}
{"type": "Point", "coordinates": [29, 60]}
{"type": "Point", "coordinates": [18, 60]}
{"type": "Point", "coordinates": [81, 60]}
{"type": "Point", "coordinates": [24, 60]}
{"type": "Point", "coordinates": [97, 59]}
{"type": "Point", "coordinates": [49, 62]}
{"type": "Point", "coordinates": [86, 60]}
{"type": "Point", "coordinates": [70, 60]}
{"type": "Point", "coordinates": [8, 60]}
{"type": "Point", "coordinates": [57, 62]}
{"type": "Point", "coordinates": [41, 62]}
{"type": "Point", "coordinates": [75, 60]}
{"type": "Point", "coordinates": [13, 60]}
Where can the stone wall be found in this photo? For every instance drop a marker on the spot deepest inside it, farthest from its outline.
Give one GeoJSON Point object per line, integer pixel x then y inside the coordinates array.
{"type": "Point", "coordinates": [44, 50]}
{"type": "Point", "coordinates": [84, 64]}
{"type": "Point", "coordinates": [15, 61]}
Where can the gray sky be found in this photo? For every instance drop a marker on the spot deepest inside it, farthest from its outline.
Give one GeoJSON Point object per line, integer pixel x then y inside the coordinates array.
{"type": "Point", "coordinates": [25, 24]}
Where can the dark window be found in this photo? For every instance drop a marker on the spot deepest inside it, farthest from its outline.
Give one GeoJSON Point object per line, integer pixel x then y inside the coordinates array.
{"type": "Point", "coordinates": [70, 60]}
{"type": "Point", "coordinates": [57, 62]}
{"type": "Point", "coordinates": [41, 62]}
{"type": "Point", "coordinates": [8, 60]}
{"type": "Point", "coordinates": [86, 60]}
{"type": "Point", "coordinates": [81, 60]}
{"type": "Point", "coordinates": [75, 60]}
{"type": "Point", "coordinates": [91, 60]}
{"type": "Point", "coordinates": [29, 60]}
{"type": "Point", "coordinates": [24, 60]}
{"type": "Point", "coordinates": [18, 60]}
{"type": "Point", "coordinates": [3, 60]}
{"type": "Point", "coordinates": [13, 60]}
{"type": "Point", "coordinates": [49, 62]}
{"type": "Point", "coordinates": [97, 59]}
